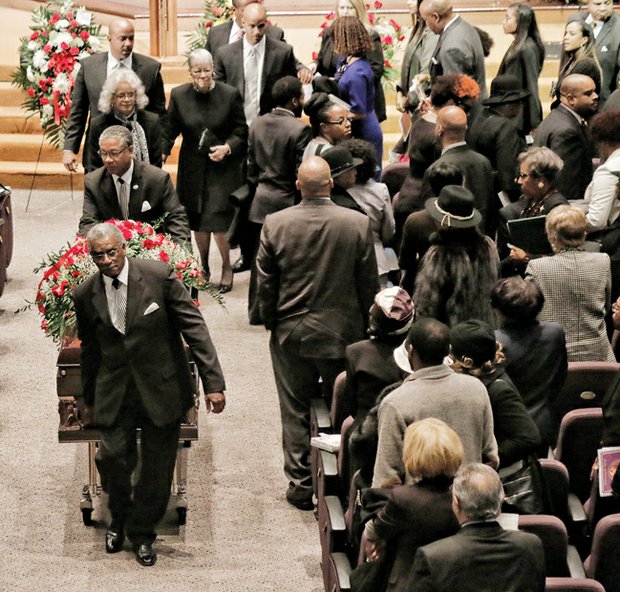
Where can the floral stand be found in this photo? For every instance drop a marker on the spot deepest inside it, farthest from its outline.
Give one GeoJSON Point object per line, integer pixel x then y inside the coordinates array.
{"type": "Point", "coordinates": [71, 429]}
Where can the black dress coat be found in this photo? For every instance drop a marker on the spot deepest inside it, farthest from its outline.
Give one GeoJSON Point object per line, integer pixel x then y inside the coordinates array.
{"type": "Point", "coordinates": [526, 65]}
{"type": "Point", "coordinates": [203, 185]}
{"type": "Point", "coordinates": [152, 130]}
{"type": "Point", "coordinates": [497, 138]}
{"type": "Point", "coordinates": [87, 88]}
{"type": "Point", "coordinates": [414, 515]}
{"type": "Point", "coordinates": [327, 65]}
{"type": "Point", "coordinates": [561, 132]}
{"type": "Point", "coordinates": [607, 45]}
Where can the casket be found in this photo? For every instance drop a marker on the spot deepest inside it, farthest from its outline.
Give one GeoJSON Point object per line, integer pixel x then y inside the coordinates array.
{"type": "Point", "coordinates": [69, 384]}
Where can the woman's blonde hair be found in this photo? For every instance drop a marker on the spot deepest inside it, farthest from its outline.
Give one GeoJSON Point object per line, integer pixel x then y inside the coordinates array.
{"type": "Point", "coordinates": [431, 448]}
{"type": "Point", "coordinates": [360, 10]}
{"type": "Point", "coordinates": [565, 227]}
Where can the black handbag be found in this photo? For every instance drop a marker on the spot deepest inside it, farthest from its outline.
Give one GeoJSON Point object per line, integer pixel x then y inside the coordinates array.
{"type": "Point", "coordinates": [525, 490]}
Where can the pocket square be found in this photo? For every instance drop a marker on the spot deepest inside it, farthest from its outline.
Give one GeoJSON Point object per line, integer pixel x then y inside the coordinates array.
{"type": "Point", "coordinates": [146, 206]}
{"type": "Point", "coordinates": [151, 308]}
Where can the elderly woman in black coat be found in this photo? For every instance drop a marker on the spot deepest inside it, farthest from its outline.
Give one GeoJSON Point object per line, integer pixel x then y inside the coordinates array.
{"type": "Point", "coordinates": [210, 117]}
{"type": "Point", "coordinates": [122, 102]}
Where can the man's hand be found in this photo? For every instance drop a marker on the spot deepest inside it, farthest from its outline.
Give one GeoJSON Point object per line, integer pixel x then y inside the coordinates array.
{"type": "Point", "coordinates": [215, 402]}
{"type": "Point", "coordinates": [218, 153]}
{"type": "Point", "coordinates": [304, 75]}
{"type": "Point", "coordinates": [69, 159]}
{"type": "Point", "coordinates": [85, 412]}
{"type": "Point", "coordinates": [518, 255]}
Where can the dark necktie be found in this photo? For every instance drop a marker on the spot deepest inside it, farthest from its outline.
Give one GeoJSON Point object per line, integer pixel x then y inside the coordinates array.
{"type": "Point", "coordinates": [123, 198]}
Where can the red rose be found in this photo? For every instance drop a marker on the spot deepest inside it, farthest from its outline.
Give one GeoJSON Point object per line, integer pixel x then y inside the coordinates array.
{"type": "Point", "coordinates": [324, 25]}
{"type": "Point", "coordinates": [208, 24]}
{"type": "Point", "coordinates": [84, 34]}
{"type": "Point", "coordinates": [194, 273]}
{"type": "Point", "coordinates": [180, 275]}
{"type": "Point", "coordinates": [34, 36]}
{"type": "Point", "coordinates": [74, 51]}
{"type": "Point", "coordinates": [401, 37]}
{"type": "Point", "coordinates": [395, 24]}
{"type": "Point", "coordinates": [41, 308]}
{"type": "Point", "coordinates": [59, 290]}
{"type": "Point", "coordinates": [44, 101]}
{"type": "Point", "coordinates": [196, 302]}
{"type": "Point", "coordinates": [371, 19]}
{"type": "Point", "coordinates": [387, 64]}
{"type": "Point", "coordinates": [145, 230]}
{"type": "Point", "coordinates": [182, 265]}
{"type": "Point", "coordinates": [64, 46]}
{"type": "Point", "coordinates": [127, 234]}
{"type": "Point", "coordinates": [76, 273]}
{"type": "Point", "coordinates": [44, 325]}
{"type": "Point", "coordinates": [159, 239]}
{"type": "Point", "coordinates": [73, 23]}
{"type": "Point", "coordinates": [388, 40]}
{"type": "Point", "coordinates": [148, 244]}
{"type": "Point", "coordinates": [47, 48]}
{"type": "Point", "coordinates": [163, 256]}
{"type": "Point", "coordinates": [315, 56]}
{"type": "Point", "coordinates": [31, 91]}
{"type": "Point", "coordinates": [378, 4]}
{"type": "Point", "coordinates": [330, 16]}
{"type": "Point", "coordinates": [69, 15]}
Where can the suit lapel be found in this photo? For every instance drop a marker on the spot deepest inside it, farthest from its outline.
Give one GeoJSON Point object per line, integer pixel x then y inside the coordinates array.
{"type": "Point", "coordinates": [135, 288]}
{"type": "Point", "coordinates": [268, 62]}
{"type": "Point", "coordinates": [135, 191]}
{"type": "Point", "coordinates": [605, 30]}
{"type": "Point", "coordinates": [100, 300]}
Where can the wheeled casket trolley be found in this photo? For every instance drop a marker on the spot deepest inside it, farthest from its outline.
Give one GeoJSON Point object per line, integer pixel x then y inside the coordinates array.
{"type": "Point", "coordinates": [71, 429]}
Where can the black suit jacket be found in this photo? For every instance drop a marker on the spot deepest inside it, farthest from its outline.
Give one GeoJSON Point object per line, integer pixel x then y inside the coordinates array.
{"type": "Point", "coordinates": [148, 184]}
{"type": "Point", "coordinates": [561, 132]}
{"type": "Point", "coordinates": [319, 292]}
{"type": "Point", "coordinates": [481, 557]}
{"type": "Point", "coordinates": [478, 178]}
{"type": "Point", "coordinates": [607, 46]}
{"type": "Point", "coordinates": [90, 79]}
{"type": "Point", "coordinates": [279, 61]}
{"type": "Point", "coordinates": [497, 138]}
{"type": "Point", "coordinates": [152, 130]}
{"type": "Point", "coordinates": [220, 34]}
{"type": "Point", "coordinates": [151, 353]}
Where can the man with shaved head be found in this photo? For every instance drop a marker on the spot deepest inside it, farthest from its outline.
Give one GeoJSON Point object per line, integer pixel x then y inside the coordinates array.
{"type": "Point", "coordinates": [92, 74]}
{"type": "Point", "coordinates": [565, 131]}
{"type": "Point", "coordinates": [317, 277]}
{"type": "Point", "coordinates": [476, 169]}
{"type": "Point", "coordinates": [459, 48]}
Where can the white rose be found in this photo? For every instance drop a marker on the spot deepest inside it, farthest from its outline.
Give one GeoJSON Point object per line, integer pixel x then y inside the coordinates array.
{"type": "Point", "coordinates": [39, 60]}
{"type": "Point", "coordinates": [33, 45]}
{"type": "Point", "coordinates": [77, 42]}
{"type": "Point", "coordinates": [94, 42]}
{"type": "Point", "coordinates": [62, 24]}
{"type": "Point", "coordinates": [83, 17]}
{"type": "Point", "coordinates": [29, 74]}
{"type": "Point", "coordinates": [62, 38]}
{"type": "Point", "coordinates": [48, 111]}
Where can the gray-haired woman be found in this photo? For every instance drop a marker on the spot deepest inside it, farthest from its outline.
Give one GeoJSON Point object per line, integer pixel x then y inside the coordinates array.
{"type": "Point", "coordinates": [122, 102]}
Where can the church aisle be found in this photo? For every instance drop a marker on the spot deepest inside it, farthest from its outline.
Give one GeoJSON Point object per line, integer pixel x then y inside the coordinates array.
{"type": "Point", "coordinates": [240, 532]}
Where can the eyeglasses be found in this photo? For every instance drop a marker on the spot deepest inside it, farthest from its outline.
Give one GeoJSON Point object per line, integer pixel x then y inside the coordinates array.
{"type": "Point", "coordinates": [110, 253]}
{"type": "Point", "coordinates": [123, 96]}
{"type": "Point", "coordinates": [340, 121]}
{"type": "Point", "coordinates": [113, 154]}
{"type": "Point", "coordinates": [523, 176]}
{"type": "Point", "coordinates": [200, 71]}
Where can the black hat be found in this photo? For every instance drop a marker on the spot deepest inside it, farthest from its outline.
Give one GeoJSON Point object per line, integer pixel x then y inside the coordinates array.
{"type": "Point", "coordinates": [475, 340]}
{"type": "Point", "coordinates": [506, 88]}
{"type": "Point", "coordinates": [340, 160]}
{"type": "Point", "coordinates": [454, 208]}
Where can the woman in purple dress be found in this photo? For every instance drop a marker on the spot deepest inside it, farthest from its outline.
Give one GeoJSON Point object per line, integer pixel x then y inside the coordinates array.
{"type": "Point", "coordinates": [356, 79]}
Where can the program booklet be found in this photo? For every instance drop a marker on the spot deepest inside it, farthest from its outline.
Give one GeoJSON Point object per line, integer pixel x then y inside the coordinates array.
{"type": "Point", "coordinates": [608, 461]}
{"type": "Point", "coordinates": [529, 234]}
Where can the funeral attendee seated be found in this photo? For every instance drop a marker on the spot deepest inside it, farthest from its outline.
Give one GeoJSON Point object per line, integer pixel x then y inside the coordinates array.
{"type": "Point", "coordinates": [415, 514]}
{"type": "Point", "coordinates": [330, 122]}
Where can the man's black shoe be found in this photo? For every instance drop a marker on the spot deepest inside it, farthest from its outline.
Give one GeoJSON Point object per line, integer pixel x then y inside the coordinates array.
{"type": "Point", "coordinates": [145, 554]}
{"type": "Point", "coordinates": [114, 538]}
{"type": "Point", "coordinates": [240, 265]}
{"type": "Point", "coordinates": [302, 500]}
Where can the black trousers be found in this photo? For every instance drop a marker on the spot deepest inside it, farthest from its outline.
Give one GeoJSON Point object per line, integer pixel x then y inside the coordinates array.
{"type": "Point", "coordinates": [139, 508]}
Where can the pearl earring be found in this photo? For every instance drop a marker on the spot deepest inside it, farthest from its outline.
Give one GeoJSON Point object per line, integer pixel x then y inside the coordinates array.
{"type": "Point", "coordinates": [541, 185]}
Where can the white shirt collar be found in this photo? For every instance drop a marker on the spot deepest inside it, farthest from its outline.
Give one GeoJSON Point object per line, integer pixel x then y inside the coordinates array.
{"type": "Point", "coordinates": [449, 23]}
{"type": "Point", "coordinates": [126, 176]}
{"type": "Point", "coordinates": [455, 145]}
{"type": "Point", "coordinates": [576, 115]}
{"type": "Point", "coordinates": [113, 62]}
{"type": "Point", "coordinates": [122, 277]}
{"type": "Point", "coordinates": [233, 31]}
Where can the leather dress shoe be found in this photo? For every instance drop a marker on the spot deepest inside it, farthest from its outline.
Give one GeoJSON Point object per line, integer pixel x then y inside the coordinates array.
{"type": "Point", "coordinates": [301, 499]}
{"type": "Point", "coordinates": [240, 265]}
{"type": "Point", "coordinates": [145, 554]}
{"type": "Point", "coordinates": [114, 538]}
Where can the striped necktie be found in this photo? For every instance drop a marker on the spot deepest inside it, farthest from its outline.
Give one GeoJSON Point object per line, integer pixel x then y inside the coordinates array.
{"type": "Point", "coordinates": [123, 198]}
{"type": "Point", "coordinates": [119, 306]}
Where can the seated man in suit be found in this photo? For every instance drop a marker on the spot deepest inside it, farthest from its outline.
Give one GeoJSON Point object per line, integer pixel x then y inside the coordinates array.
{"type": "Point", "coordinates": [126, 189]}
{"type": "Point", "coordinates": [564, 130]}
{"type": "Point", "coordinates": [90, 78]}
{"type": "Point", "coordinates": [482, 556]}
{"type": "Point", "coordinates": [132, 317]}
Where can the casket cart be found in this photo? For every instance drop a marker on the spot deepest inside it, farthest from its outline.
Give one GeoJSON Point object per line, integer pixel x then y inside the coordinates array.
{"type": "Point", "coordinates": [72, 430]}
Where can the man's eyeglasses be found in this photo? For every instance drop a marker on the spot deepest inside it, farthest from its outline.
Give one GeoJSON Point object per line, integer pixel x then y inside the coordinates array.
{"type": "Point", "coordinates": [341, 121]}
{"type": "Point", "coordinates": [110, 253]}
{"type": "Point", "coordinates": [114, 154]}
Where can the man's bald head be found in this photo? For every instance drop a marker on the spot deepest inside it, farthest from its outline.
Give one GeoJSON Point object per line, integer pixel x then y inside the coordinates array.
{"type": "Point", "coordinates": [314, 178]}
{"type": "Point", "coordinates": [436, 14]}
{"type": "Point", "coordinates": [451, 125]}
{"type": "Point", "coordinates": [578, 92]}
{"type": "Point", "coordinates": [254, 22]}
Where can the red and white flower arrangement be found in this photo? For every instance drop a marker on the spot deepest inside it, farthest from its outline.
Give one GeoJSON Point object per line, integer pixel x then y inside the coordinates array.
{"type": "Point", "coordinates": [215, 12]}
{"type": "Point", "coordinates": [66, 269]}
{"type": "Point", "coordinates": [62, 35]}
